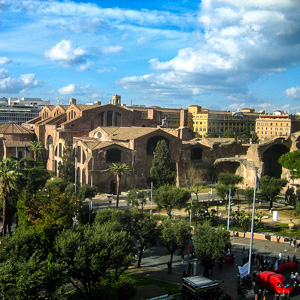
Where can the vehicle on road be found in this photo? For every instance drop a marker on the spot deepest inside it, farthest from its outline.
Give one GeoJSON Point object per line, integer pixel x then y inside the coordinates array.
{"type": "Point", "coordinates": [274, 282]}
{"type": "Point", "coordinates": [200, 287]}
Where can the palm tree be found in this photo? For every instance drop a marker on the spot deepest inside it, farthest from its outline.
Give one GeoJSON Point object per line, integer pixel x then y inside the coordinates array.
{"type": "Point", "coordinates": [36, 148]}
{"type": "Point", "coordinates": [119, 169]}
{"type": "Point", "coordinates": [9, 176]}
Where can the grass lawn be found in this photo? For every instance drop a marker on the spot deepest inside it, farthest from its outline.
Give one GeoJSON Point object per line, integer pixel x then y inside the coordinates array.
{"type": "Point", "coordinates": [139, 281]}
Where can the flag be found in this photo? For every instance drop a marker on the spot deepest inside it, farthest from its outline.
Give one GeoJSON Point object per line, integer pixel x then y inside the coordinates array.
{"type": "Point", "coordinates": [244, 270]}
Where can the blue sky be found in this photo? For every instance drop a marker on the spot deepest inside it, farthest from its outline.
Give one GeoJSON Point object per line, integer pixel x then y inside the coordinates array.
{"type": "Point", "coordinates": [220, 54]}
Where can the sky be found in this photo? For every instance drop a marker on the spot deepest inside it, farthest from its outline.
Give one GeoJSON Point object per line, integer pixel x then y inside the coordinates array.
{"type": "Point", "coordinates": [220, 54]}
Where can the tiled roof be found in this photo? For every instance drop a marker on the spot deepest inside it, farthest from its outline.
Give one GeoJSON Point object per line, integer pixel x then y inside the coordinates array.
{"type": "Point", "coordinates": [12, 128]}
{"type": "Point", "coordinates": [127, 133]}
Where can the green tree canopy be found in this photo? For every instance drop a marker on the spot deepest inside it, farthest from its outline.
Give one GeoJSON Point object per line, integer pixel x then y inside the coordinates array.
{"type": "Point", "coordinates": [270, 187]}
{"type": "Point", "coordinates": [209, 245]}
{"type": "Point", "coordinates": [249, 194]}
{"type": "Point", "coordinates": [37, 148]}
{"type": "Point", "coordinates": [118, 170]}
{"type": "Point", "coordinates": [67, 167]}
{"type": "Point", "coordinates": [169, 197]}
{"type": "Point", "coordinates": [228, 181]}
{"type": "Point", "coordinates": [94, 253]}
{"type": "Point", "coordinates": [48, 211]}
{"type": "Point", "coordinates": [28, 270]}
{"type": "Point", "coordinates": [136, 198]}
{"type": "Point", "coordinates": [291, 161]}
{"type": "Point", "coordinates": [175, 235]}
{"type": "Point", "coordinates": [162, 171]}
{"type": "Point", "coordinates": [10, 181]}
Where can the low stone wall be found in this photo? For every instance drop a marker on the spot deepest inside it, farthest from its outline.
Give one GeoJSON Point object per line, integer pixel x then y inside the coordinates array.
{"type": "Point", "coordinates": [259, 236]}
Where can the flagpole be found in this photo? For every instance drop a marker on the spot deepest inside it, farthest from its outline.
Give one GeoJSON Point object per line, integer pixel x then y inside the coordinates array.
{"type": "Point", "coordinates": [252, 225]}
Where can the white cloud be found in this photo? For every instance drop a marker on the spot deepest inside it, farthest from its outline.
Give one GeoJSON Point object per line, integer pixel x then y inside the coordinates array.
{"type": "Point", "coordinates": [293, 92]}
{"type": "Point", "coordinates": [77, 90]}
{"type": "Point", "coordinates": [5, 60]}
{"type": "Point", "coordinates": [26, 82]}
{"type": "Point", "coordinates": [106, 70]}
{"type": "Point", "coordinates": [66, 54]}
{"type": "Point", "coordinates": [83, 68]}
{"type": "Point", "coordinates": [112, 49]}
{"type": "Point", "coordinates": [141, 40]}
{"type": "Point", "coordinates": [238, 42]}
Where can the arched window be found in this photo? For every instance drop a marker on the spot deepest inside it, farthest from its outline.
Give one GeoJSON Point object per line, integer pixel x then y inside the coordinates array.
{"type": "Point", "coordinates": [101, 119]}
{"type": "Point", "coordinates": [49, 140]}
{"type": "Point", "coordinates": [78, 150]}
{"type": "Point", "coordinates": [152, 142]}
{"type": "Point", "coordinates": [83, 178]}
{"type": "Point", "coordinates": [83, 157]}
{"type": "Point", "coordinates": [118, 119]}
{"type": "Point", "coordinates": [60, 149]}
{"type": "Point", "coordinates": [196, 154]}
{"type": "Point", "coordinates": [113, 155]}
{"type": "Point", "coordinates": [109, 118]}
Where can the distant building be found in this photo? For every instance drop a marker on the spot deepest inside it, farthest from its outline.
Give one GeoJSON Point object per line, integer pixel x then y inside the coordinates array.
{"type": "Point", "coordinates": [207, 122]}
{"type": "Point", "coordinates": [278, 124]}
{"type": "Point", "coordinates": [20, 110]}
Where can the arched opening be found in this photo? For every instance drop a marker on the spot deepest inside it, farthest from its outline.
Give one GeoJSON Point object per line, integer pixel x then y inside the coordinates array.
{"type": "Point", "coordinates": [101, 119]}
{"type": "Point", "coordinates": [78, 176]}
{"type": "Point", "coordinates": [60, 149]}
{"type": "Point", "coordinates": [109, 118]}
{"type": "Point", "coordinates": [152, 143]}
{"type": "Point", "coordinates": [113, 155]}
{"type": "Point", "coordinates": [49, 140]}
{"type": "Point", "coordinates": [118, 119]}
{"type": "Point", "coordinates": [55, 168]}
{"type": "Point", "coordinates": [83, 176]}
{"type": "Point", "coordinates": [270, 158]}
{"type": "Point", "coordinates": [196, 154]}
{"type": "Point", "coordinates": [83, 157]}
{"type": "Point", "coordinates": [228, 167]}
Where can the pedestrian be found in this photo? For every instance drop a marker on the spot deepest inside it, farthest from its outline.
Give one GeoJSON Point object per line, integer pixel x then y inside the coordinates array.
{"type": "Point", "coordinates": [278, 238]}
{"type": "Point", "coordinates": [288, 258]}
{"type": "Point", "coordinates": [280, 256]}
{"type": "Point", "coordinates": [182, 257]}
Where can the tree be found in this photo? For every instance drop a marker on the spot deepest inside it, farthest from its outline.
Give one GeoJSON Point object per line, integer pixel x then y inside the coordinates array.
{"type": "Point", "coordinates": [94, 253]}
{"type": "Point", "coordinates": [9, 178]}
{"type": "Point", "coordinates": [249, 194]}
{"type": "Point", "coordinates": [36, 147]}
{"type": "Point", "coordinates": [145, 231]}
{"type": "Point", "coordinates": [47, 211]}
{"type": "Point", "coordinates": [209, 245]}
{"type": "Point", "coordinates": [191, 177]}
{"type": "Point", "coordinates": [169, 197]}
{"type": "Point", "coordinates": [118, 170]}
{"type": "Point", "coordinates": [175, 235]}
{"type": "Point", "coordinates": [67, 167]}
{"type": "Point", "coordinates": [136, 198]}
{"type": "Point", "coordinates": [270, 187]}
{"type": "Point", "coordinates": [28, 270]}
{"type": "Point", "coordinates": [291, 161]}
{"type": "Point", "coordinates": [162, 171]}
{"type": "Point", "coordinates": [227, 181]}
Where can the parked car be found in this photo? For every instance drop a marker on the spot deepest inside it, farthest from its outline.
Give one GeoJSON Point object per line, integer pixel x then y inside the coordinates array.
{"type": "Point", "coordinates": [274, 282]}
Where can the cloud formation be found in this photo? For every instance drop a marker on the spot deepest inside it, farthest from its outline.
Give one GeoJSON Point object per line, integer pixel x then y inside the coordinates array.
{"type": "Point", "coordinates": [66, 54]}
{"type": "Point", "coordinates": [26, 82]}
{"type": "Point", "coordinates": [5, 60]}
{"type": "Point", "coordinates": [240, 41]}
{"type": "Point", "coordinates": [293, 92]}
{"type": "Point", "coordinates": [77, 90]}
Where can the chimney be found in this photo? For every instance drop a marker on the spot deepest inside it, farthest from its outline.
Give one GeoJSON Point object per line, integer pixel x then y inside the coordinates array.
{"type": "Point", "coordinates": [116, 100]}
{"type": "Point", "coordinates": [97, 103]}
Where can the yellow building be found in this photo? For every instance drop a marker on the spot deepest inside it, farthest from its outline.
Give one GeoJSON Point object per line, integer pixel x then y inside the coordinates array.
{"type": "Point", "coordinates": [207, 121]}
{"type": "Point", "coordinates": [276, 124]}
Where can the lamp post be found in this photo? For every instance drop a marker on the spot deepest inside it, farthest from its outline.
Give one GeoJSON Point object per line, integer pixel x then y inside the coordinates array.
{"type": "Point", "coordinates": [252, 225]}
{"type": "Point", "coordinates": [229, 209]}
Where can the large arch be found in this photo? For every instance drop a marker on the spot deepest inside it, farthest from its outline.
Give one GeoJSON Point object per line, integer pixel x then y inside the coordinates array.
{"type": "Point", "coordinates": [152, 143]}
{"type": "Point", "coordinates": [270, 159]}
